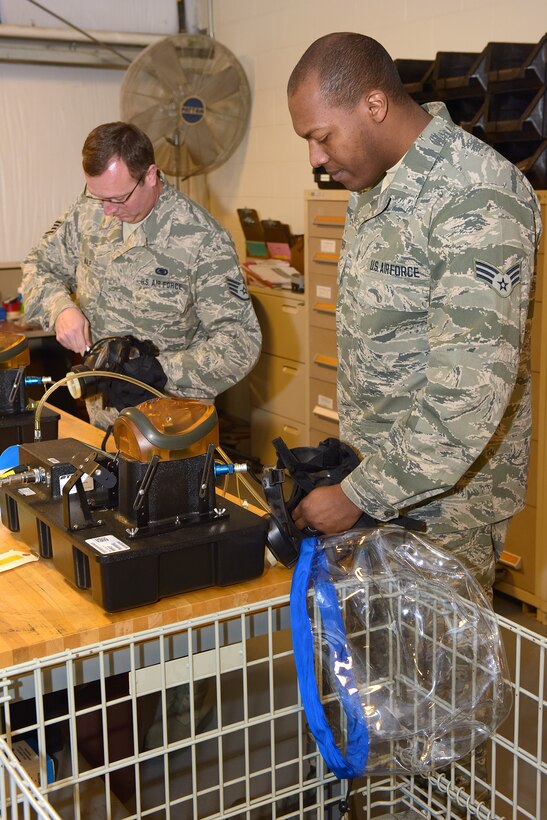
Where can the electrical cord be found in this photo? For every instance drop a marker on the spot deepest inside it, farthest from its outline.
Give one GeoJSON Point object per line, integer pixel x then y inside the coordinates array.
{"type": "Point", "coordinates": [19, 468]}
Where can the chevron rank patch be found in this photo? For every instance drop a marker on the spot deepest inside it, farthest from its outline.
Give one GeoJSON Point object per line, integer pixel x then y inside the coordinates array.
{"type": "Point", "coordinates": [238, 288]}
{"type": "Point", "coordinates": [502, 281]}
{"type": "Point", "coordinates": [54, 228]}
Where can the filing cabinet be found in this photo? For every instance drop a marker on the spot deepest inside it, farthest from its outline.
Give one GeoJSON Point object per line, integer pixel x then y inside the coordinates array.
{"type": "Point", "coordinates": [279, 381]}
{"type": "Point", "coordinates": [326, 214]}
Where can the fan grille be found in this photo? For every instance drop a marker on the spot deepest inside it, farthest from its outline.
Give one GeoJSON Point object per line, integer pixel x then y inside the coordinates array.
{"type": "Point", "coordinates": [191, 96]}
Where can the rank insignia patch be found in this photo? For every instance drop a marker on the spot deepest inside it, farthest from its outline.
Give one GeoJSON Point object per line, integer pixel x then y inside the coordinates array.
{"type": "Point", "coordinates": [54, 228]}
{"type": "Point", "coordinates": [238, 288]}
{"type": "Point", "coordinates": [502, 281]}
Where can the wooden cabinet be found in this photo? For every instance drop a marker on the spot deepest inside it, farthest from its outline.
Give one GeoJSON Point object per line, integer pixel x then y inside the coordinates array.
{"type": "Point", "coordinates": [525, 555]}
{"type": "Point", "coordinates": [279, 382]}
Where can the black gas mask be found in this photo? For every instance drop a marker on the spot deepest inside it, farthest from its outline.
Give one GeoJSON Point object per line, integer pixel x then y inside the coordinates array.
{"type": "Point", "coordinates": [119, 354]}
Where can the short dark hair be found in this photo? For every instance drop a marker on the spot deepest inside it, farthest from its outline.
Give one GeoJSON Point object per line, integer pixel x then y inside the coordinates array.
{"type": "Point", "coordinates": [117, 139]}
{"type": "Point", "coordinates": [347, 65]}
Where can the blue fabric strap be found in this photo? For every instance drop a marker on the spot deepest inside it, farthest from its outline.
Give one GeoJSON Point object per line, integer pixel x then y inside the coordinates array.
{"type": "Point", "coordinates": [312, 566]}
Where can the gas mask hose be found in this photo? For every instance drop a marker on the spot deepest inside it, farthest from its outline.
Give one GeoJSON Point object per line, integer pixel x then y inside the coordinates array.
{"type": "Point", "coordinates": [71, 376]}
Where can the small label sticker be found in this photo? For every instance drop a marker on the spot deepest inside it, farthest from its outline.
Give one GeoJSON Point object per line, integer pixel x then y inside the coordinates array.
{"type": "Point", "coordinates": [26, 491]}
{"type": "Point", "coordinates": [87, 482]}
{"type": "Point", "coordinates": [325, 401]}
{"type": "Point", "coordinates": [54, 460]}
{"type": "Point", "coordinates": [107, 544]}
{"type": "Point", "coordinates": [328, 246]}
{"type": "Point", "coordinates": [323, 292]}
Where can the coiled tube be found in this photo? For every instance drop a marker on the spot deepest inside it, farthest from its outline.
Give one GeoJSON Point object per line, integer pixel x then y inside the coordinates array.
{"type": "Point", "coordinates": [69, 376]}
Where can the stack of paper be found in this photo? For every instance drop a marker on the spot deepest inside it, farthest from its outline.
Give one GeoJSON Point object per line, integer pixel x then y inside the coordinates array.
{"type": "Point", "coordinates": [272, 273]}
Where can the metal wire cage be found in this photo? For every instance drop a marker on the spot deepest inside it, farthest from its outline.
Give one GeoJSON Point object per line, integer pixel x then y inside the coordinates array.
{"type": "Point", "coordinates": [203, 720]}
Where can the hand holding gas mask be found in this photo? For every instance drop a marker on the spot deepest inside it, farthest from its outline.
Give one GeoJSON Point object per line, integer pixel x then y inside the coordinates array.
{"type": "Point", "coordinates": [119, 354]}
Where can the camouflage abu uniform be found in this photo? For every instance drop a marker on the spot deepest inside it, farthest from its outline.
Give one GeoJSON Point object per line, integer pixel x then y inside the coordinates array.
{"type": "Point", "coordinates": [176, 280]}
{"type": "Point", "coordinates": [433, 327]}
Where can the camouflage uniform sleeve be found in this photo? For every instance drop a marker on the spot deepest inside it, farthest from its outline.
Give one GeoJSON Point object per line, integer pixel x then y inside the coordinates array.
{"type": "Point", "coordinates": [229, 340]}
{"type": "Point", "coordinates": [474, 337]}
{"type": "Point", "coordinates": [49, 272]}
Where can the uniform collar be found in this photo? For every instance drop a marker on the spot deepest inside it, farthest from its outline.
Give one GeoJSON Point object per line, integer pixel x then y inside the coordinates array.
{"type": "Point", "coordinates": [147, 230]}
{"type": "Point", "coordinates": [412, 173]}
{"type": "Point", "coordinates": [164, 205]}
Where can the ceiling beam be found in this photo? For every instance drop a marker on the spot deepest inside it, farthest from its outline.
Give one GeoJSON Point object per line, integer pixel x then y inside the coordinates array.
{"type": "Point", "coordinates": [62, 47]}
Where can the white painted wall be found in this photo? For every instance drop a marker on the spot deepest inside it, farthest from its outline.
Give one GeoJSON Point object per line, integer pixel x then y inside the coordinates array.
{"type": "Point", "coordinates": [47, 111]}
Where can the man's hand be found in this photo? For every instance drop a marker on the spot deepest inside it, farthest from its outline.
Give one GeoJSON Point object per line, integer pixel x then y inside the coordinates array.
{"type": "Point", "coordinates": [72, 330]}
{"type": "Point", "coordinates": [326, 509]}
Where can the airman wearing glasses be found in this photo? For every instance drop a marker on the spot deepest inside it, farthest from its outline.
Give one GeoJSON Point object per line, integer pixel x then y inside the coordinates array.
{"type": "Point", "coordinates": [132, 255]}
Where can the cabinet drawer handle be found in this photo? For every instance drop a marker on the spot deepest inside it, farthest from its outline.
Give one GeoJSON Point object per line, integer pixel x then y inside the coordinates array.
{"type": "Point", "coordinates": [509, 559]}
{"type": "Point", "coordinates": [288, 429]}
{"type": "Point", "coordinates": [291, 371]}
{"type": "Point", "coordinates": [324, 307]}
{"type": "Point", "coordinates": [329, 221]}
{"type": "Point", "coordinates": [324, 413]}
{"type": "Point", "coordinates": [326, 258]}
{"type": "Point", "coordinates": [325, 361]}
{"type": "Point", "coordinates": [292, 308]}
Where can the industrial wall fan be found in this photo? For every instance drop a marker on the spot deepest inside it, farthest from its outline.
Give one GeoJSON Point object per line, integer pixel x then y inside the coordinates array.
{"type": "Point", "coordinates": [191, 96]}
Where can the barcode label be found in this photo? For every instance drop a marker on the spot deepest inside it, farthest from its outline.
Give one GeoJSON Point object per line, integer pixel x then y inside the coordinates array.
{"type": "Point", "coordinates": [107, 544]}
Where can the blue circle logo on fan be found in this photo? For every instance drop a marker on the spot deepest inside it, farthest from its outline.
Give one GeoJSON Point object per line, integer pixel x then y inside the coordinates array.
{"type": "Point", "coordinates": [192, 110]}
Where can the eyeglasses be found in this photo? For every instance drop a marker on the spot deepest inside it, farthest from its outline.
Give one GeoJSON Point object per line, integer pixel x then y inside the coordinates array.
{"type": "Point", "coordinates": [115, 200]}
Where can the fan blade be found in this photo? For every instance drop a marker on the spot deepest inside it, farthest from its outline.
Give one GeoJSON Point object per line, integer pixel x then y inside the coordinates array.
{"type": "Point", "coordinates": [218, 86]}
{"type": "Point", "coordinates": [156, 124]}
{"type": "Point", "coordinates": [164, 63]}
{"type": "Point", "coordinates": [140, 90]}
{"type": "Point", "coordinates": [174, 160]}
{"type": "Point", "coordinates": [137, 102]}
{"type": "Point", "coordinates": [192, 84]}
{"type": "Point", "coordinates": [202, 145]}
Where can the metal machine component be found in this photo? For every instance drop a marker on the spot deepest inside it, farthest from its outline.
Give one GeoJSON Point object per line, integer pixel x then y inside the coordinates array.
{"type": "Point", "coordinates": [16, 418]}
{"type": "Point", "coordinates": [141, 524]}
{"type": "Point", "coordinates": [32, 476]}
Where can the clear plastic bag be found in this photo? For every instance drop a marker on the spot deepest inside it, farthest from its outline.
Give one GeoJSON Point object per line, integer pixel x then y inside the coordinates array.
{"type": "Point", "coordinates": [400, 663]}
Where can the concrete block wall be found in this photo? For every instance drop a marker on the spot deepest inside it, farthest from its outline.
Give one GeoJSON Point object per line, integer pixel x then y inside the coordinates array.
{"type": "Point", "coordinates": [270, 170]}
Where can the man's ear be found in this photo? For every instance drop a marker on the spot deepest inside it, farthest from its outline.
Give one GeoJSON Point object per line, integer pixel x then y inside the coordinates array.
{"type": "Point", "coordinates": [377, 105]}
{"type": "Point", "coordinates": [152, 174]}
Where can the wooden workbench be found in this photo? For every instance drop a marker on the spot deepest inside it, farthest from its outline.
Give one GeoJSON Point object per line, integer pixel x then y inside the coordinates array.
{"type": "Point", "coordinates": [42, 614]}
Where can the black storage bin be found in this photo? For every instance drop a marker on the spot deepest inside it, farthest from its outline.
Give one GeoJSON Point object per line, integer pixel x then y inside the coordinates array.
{"type": "Point", "coordinates": [512, 114]}
{"type": "Point", "coordinates": [453, 69]}
{"type": "Point", "coordinates": [416, 75]}
{"type": "Point", "coordinates": [534, 164]}
{"type": "Point", "coordinates": [501, 62]}
{"type": "Point", "coordinates": [464, 110]}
